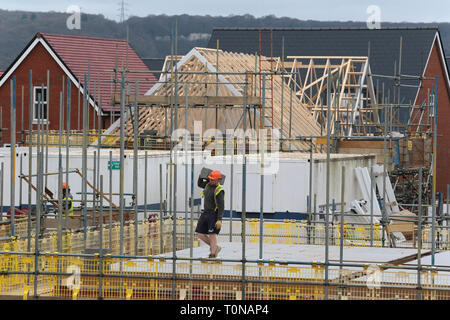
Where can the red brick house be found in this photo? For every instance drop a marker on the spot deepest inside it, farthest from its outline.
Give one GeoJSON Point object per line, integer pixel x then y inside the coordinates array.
{"type": "Point", "coordinates": [56, 59]}
{"type": "Point", "coordinates": [436, 65]}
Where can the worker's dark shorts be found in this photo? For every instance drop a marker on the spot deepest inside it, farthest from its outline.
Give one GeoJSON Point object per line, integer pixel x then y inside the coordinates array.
{"type": "Point", "coordinates": [206, 223]}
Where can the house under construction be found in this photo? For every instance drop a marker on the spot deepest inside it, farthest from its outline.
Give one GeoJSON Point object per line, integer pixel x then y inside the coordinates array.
{"type": "Point", "coordinates": [313, 207]}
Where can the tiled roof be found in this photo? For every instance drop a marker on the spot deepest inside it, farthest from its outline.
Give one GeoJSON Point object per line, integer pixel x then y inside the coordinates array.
{"type": "Point", "coordinates": [100, 55]}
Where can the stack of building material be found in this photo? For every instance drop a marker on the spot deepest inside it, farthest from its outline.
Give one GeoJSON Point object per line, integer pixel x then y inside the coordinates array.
{"type": "Point", "coordinates": [404, 222]}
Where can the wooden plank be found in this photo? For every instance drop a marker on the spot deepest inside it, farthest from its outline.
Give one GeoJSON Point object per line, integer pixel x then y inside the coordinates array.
{"type": "Point", "coordinates": [363, 144]}
{"type": "Point", "coordinates": [402, 227]}
{"type": "Point", "coordinates": [193, 100]}
{"type": "Point", "coordinates": [384, 266]}
{"type": "Point", "coordinates": [361, 58]}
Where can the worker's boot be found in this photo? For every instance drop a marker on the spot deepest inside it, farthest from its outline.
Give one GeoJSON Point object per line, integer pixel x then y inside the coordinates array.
{"type": "Point", "coordinates": [214, 255]}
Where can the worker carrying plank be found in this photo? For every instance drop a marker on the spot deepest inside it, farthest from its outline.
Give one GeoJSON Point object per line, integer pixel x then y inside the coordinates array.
{"type": "Point", "coordinates": [67, 200]}
{"type": "Point", "coordinates": [210, 221]}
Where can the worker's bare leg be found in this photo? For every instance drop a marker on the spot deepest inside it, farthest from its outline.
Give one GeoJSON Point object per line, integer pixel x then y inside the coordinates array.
{"type": "Point", "coordinates": [212, 242]}
{"type": "Point", "coordinates": [204, 238]}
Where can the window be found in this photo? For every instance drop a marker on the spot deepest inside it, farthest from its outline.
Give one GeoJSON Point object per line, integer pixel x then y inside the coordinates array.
{"type": "Point", "coordinates": [40, 93]}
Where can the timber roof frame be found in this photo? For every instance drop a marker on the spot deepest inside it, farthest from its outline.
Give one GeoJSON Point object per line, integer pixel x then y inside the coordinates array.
{"type": "Point", "coordinates": [383, 48]}
{"type": "Point", "coordinates": [300, 114]}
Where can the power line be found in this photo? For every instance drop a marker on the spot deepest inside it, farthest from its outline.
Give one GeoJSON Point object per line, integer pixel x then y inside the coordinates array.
{"type": "Point", "coordinates": [122, 11]}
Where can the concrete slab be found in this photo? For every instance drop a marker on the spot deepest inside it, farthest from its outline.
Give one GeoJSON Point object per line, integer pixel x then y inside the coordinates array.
{"type": "Point", "coordinates": [303, 253]}
{"type": "Point", "coordinates": [289, 253]}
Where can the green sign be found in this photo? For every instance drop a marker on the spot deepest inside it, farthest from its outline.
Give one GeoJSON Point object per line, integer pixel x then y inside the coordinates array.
{"type": "Point", "coordinates": [115, 165]}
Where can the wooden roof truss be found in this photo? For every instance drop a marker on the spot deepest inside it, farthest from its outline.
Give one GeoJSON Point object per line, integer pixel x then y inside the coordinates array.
{"type": "Point", "coordinates": [208, 72]}
{"type": "Point", "coordinates": [352, 92]}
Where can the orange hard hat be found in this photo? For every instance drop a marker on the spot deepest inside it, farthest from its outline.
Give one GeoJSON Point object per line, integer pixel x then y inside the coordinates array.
{"type": "Point", "coordinates": [215, 175]}
{"type": "Point", "coordinates": [64, 185]}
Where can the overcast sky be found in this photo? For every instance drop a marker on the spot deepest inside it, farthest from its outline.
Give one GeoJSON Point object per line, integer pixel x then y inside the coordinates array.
{"type": "Point", "coordinates": [338, 10]}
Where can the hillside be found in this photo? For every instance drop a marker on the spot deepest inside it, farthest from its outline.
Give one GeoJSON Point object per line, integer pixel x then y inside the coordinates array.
{"type": "Point", "coordinates": [150, 36]}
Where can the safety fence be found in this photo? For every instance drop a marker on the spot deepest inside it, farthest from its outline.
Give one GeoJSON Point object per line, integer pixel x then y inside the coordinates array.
{"type": "Point", "coordinates": [20, 227]}
{"type": "Point", "coordinates": [112, 277]}
{"type": "Point", "coordinates": [156, 236]}
{"type": "Point", "coordinates": [74, 274]}
{"type": "Point", "coordinates": [149, 238]}
{"type": "Point", "coordinates": [295, 232]}
{"type": "Point", "coordinates": [299, 232]}
{"type": "Point", "coordinates": [74, 138]}
{"type": "Point", "coordinates": [53, 138]}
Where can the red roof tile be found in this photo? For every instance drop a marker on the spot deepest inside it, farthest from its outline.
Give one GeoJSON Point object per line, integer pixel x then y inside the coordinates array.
{"type": "Point", "coordinates": [1, 72]}
{"type": "Point", "coordinates": [77, 52]}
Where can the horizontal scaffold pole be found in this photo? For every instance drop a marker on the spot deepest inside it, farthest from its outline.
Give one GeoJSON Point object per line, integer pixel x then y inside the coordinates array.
{"type": "Point", "coordinates": [192, 100]}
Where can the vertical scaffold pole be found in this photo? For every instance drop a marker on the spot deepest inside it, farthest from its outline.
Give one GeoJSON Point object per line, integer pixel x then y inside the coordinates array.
{"type": "Point", "coordinates": [448, 206]}
{"type": "Point", "coordinates": [191, 232]}
{"type": "Point", "coordinates": [111, 197]}
{"type": "Point", "coordinates": [38, 200]}
{"type": "Point", "coordinates": [13, 154]}
{"type": "Point", "coordinates": [84, 159]}
{"type": "Point", "coordinates": [384, 203]}
{"type": "Point", "coordinates": [1, 188]}
{"type": "Point", "coordinates": [22, 140]}
{"type": "Point", "coordinates": [47, 122]}
{"type": "Point", "coordinates": [309, 197]}
{"type": "Point", "coordinates": [174, 125]}
{"type": "Point", "coordinates": [341, 238]}
{"type": "Point", "coordinates": [30, 155]}
{"type": "Point", "coordinates": [191, 224]}
{"type": "Point", "coordinates": [419, 239]}
{"type": "Point", "coordinates": [327, 180]}
{"type": "Point", "coordinates": [433, 197]}
{"type": "Point", "coordinates": [100, 264]}
{"type": "Point", "coordinates": [20, 181]}
{"type": "Point", "coordinates": [244, 186]}
{"type": "Point", "coordinates": [161, 229]}
{"type": "Point", "coordinates": [122, 148]}
{"type": "Point", "coordinates": [95, 184]}
{"type": "Point", "coordinates": [372, 191]}
{"type": "Point", "coordinates": [66, 203]}
{"type": "Point", "coordinates": [145, 184]}
{"type": "Point", "coordinates": [231, 189]}
{"type": "Point", "coordinates": [135, 166]}
{"type": "Point", "coordinates": [185, 149]}
{"type": "Point", "coordinates": [262, 146]}
{"type": "Point", "coordinates": [60, 176]}
{"type": "Point", "coordinates": [99, 126]}
{"type": "Point", "coordinates": [121, 179]}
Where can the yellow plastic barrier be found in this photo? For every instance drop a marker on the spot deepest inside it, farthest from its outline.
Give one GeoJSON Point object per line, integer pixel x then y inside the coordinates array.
{"type": "Point", "coordinates": [291, 278]}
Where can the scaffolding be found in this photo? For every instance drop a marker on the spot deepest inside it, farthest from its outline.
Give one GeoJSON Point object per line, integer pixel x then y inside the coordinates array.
{"type": "Point", "coordinates": [101, 255]}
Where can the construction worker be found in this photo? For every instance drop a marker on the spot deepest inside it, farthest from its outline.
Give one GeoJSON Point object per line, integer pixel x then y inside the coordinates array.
{"type": "Point", "coordinates": [210, 221]}
{"type": "Point", "coordinates": [67, 200]}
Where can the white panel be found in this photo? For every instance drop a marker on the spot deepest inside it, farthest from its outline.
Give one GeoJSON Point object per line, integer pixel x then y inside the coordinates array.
{"type": "Point", "coordinates": [363, 177]}
{"type": "Point", "coordinates": [253, 191]}
{"type": "Point", "coordinates": [291, 187]}
{"type": "Point", "coordinates": [286, 190]}
{"type": "Point", "coordinates": [390, 196]}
